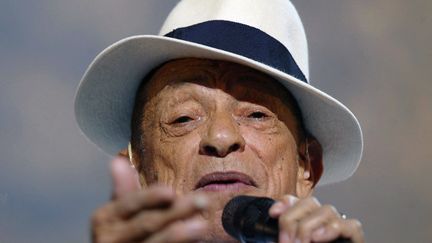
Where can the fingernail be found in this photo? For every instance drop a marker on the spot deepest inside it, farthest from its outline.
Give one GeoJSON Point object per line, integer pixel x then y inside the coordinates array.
{"type": "Point", "coordinates": [200, 202]}
{"type": "Point", "coordinates": [318, 232]}
{"type": "Point", "coordinates": [292, 200]}
{"type": "Point", "coordinates": [276, 208]}
{"type": "Point", "coordinates": [118, 164]}
{"type": "Point", "coordinates": [195, 224]}
{"type": "Point", "coordinates": [297, 241]}
{"type": "Point", "coordinates": [284, 237]}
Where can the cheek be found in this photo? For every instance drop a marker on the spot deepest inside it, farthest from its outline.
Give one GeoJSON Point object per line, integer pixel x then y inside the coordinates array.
{"type": "Point", "coordinates": [286, 169]}
{"type": "Point", "coordinates": [174, 161]}
{"type": "Point", "coordinates": [278, 155]}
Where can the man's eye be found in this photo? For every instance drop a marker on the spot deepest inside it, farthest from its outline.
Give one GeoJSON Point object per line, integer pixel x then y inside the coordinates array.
{"type": "Point", "coordinates": [182, 119]}
{"type": "Point", "coordinates": [257, 115]}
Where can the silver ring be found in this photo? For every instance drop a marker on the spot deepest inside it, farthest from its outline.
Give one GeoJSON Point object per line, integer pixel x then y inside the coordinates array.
{"type": "Point", "coordinates": [343, 216]}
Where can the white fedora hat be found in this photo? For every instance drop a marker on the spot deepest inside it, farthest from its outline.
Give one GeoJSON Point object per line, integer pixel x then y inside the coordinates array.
{"type": "Point", "coordinates": [266, 35]}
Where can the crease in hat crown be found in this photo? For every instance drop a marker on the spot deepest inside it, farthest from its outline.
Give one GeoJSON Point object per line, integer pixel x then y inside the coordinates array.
{"type": "Point", "coordinates": [277, 18]}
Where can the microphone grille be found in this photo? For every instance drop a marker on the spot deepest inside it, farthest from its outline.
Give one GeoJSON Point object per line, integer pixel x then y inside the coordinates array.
{"type": "Point", "coordinates": [232, 212]}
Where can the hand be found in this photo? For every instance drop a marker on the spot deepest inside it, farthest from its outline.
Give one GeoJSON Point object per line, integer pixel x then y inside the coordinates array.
{"type": "Point", "coordinates": [153, 215]}
{"type": "Point", "coordinates": [306, 220]}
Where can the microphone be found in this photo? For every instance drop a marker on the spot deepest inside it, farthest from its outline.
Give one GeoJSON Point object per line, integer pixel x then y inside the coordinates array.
{"type": "Point", "coordinates": [246, 219]}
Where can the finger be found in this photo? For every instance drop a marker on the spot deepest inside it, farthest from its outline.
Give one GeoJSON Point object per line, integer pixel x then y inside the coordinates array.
{"type": "Point", "coordinates": [181, 231]}
{"type": "Point", "coordinates": [152, 198]}
{"type": "Point", "coordinates": [288, 221]}
{"type": "Point", "coordinates": [125, 178]}
{"type": "Point", "coordinates": [340, 228]}
{"type": "Point", "coordinates": [281, 206]}
{"type": "Point", "coordinates": [147, 223]}
{"type": "Point", "coordinates": [319, 218]}
{"type": "Point", "coordinates": [352, 229]}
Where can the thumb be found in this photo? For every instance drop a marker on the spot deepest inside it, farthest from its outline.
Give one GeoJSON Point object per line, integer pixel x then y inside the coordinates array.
{"type": "Point", "coordinates": [125, 178]}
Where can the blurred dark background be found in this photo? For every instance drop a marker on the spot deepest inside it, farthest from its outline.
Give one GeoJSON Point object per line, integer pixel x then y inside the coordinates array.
{"type": "Point", "coordinates": [375, 56]}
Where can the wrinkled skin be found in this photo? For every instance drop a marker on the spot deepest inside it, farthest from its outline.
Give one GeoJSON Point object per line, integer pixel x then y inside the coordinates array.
{"type": "Point", "coordinates": [205, 116]}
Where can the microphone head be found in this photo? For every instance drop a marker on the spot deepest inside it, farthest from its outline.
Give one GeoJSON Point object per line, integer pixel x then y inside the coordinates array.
{"type": "Point", "coordinates": [231, 212]}
{"type": "Point", "coordinates": [246, 218]}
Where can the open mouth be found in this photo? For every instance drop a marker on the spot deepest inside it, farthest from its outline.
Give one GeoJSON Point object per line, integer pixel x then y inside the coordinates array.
{"type": "Point", "coordinates": [222, 181]}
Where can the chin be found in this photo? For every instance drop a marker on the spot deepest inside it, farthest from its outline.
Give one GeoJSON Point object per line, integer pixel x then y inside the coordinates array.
{"type": "Point", "coordinates": [214, 215]}
{"type": "Point", "coordinates": [220, 198]}
{"type": "Point", "coordinates": [216, 231]}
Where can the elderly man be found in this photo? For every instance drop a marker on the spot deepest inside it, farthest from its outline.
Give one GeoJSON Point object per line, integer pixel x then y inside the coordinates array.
{"type": "Point", "coordinates": [217, 106]}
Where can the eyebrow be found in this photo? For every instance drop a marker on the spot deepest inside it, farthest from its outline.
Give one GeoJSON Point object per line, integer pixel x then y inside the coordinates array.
{"type": "Point", "coordinates": [180, 97]}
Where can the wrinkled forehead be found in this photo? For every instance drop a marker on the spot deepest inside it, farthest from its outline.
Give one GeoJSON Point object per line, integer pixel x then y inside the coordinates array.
{"type": "Point", "coordinates": [241, 82]}
{"type": "Point", "coordinates": [183, 78]}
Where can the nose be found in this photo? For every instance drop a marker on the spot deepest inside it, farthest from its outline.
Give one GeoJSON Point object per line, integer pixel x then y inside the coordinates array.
{"type": "Point", "coordinates": [221, 137]}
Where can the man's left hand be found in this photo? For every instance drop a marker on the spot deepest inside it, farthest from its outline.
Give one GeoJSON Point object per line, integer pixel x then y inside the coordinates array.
{"type": "Point", "coordinates": [306, 220]}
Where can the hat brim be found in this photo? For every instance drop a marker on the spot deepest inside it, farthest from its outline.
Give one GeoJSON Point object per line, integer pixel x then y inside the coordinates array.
{"type": "Point", "coordinates": [106, 95]}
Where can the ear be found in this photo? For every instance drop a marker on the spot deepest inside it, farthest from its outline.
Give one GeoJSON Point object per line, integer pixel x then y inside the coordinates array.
{"type": "Point", "coordinates": [129, 155]}
{"type": "Point", "coordinates": [310, 166]}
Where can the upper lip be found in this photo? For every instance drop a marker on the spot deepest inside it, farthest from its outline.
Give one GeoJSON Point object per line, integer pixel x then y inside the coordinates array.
{"type": "Point", "coordinates": [225, 177]}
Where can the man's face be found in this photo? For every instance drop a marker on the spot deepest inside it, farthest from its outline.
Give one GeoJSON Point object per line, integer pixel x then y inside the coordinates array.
{"type": "Point", "coordinates": [219, 128]}
{"type": "Point", "coordinates": [214, 126]}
